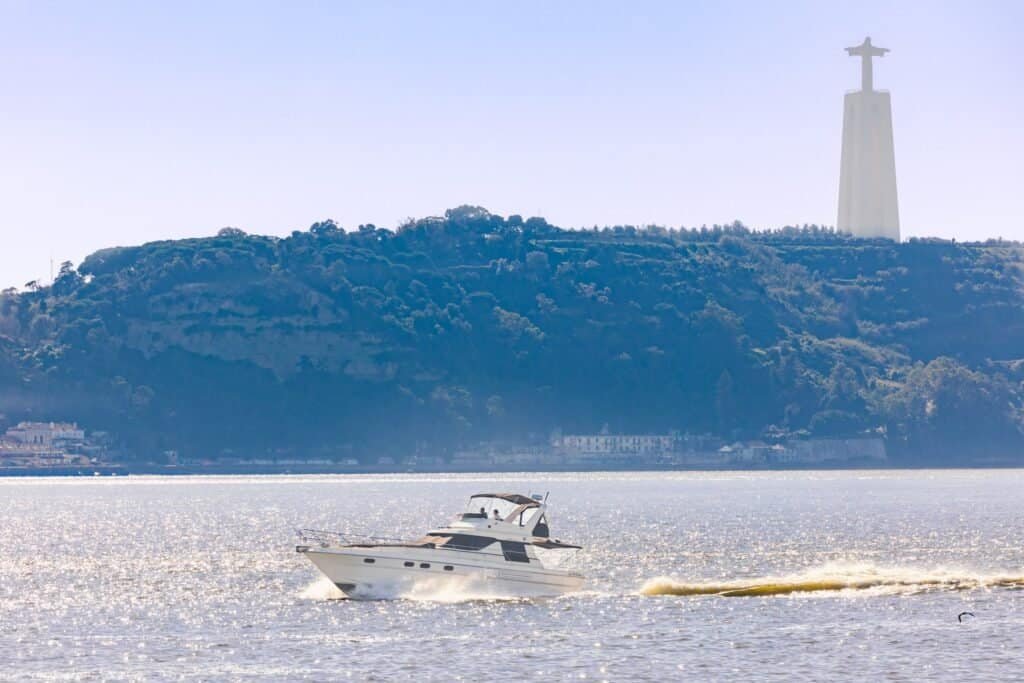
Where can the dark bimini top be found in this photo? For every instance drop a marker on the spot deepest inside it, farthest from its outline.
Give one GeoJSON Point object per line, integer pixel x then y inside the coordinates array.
{"type": "Point", "coordinates": [510, 497]}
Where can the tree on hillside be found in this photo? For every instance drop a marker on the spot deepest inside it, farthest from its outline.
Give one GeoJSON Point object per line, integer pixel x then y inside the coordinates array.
{"type": "Point", "coordinates": [948, 408]}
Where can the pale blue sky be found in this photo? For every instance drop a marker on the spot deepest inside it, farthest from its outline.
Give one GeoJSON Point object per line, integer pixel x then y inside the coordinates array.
{"type": "Point", "coordinates": [122, 123]}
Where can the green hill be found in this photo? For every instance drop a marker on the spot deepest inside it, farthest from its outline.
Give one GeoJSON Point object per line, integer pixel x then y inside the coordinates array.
{"type": "Point", "coordinates": [473, 327]}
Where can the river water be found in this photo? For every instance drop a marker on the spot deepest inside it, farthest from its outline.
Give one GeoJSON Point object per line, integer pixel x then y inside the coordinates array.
{"type": "Point", "coordinates": [709, 576]}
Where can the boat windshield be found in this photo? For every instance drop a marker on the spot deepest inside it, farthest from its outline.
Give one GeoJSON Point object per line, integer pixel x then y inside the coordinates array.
{"type": "Point", "coordinates": [486, 505]}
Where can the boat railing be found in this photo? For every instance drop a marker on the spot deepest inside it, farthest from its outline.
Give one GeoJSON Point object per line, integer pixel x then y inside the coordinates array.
{"type": "Point", "coordinates": [326, 539]}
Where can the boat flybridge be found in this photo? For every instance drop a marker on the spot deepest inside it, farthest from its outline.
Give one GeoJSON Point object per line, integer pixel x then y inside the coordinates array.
{"type": "Point", "coordinates": [493, 546]}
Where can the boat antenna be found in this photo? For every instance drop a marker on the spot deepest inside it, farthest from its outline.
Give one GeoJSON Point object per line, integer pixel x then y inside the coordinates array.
{"type": "Point", "coordinates": [546, 493]}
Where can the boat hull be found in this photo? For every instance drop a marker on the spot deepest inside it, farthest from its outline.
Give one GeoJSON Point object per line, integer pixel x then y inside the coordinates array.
{"type": "Point", "coordinates": [393, 572]}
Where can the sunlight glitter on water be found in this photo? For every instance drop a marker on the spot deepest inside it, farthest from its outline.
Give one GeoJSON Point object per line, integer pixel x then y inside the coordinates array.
{"type": "Point", "coordinates": [197, 578]}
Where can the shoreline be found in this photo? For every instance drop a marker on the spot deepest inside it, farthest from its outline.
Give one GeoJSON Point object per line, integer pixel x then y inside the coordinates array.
{"type": "Point", "coordinates": [157, 470]}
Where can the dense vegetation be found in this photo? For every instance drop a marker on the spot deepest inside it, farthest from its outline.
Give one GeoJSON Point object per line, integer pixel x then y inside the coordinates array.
{"type": "Point", "coordinates": [451, 331]}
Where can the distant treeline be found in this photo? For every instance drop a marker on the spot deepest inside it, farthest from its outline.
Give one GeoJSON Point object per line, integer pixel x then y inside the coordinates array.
{"type": "Point", "coordinates": [451, 331]}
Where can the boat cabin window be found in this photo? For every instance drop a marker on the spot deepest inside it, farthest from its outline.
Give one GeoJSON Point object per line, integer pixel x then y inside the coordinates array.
{"type": "Point", "coordinates": [514, 551]}
{"type": "Point", "coordinates": [467, 542]}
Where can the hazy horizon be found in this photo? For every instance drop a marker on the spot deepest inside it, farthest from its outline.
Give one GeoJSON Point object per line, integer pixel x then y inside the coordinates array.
{"type": "Point", "coordinates": [129, 124]}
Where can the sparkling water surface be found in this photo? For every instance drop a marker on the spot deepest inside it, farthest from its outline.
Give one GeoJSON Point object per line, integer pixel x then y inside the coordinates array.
{"type": "Point", "coordinates": [811, 575]}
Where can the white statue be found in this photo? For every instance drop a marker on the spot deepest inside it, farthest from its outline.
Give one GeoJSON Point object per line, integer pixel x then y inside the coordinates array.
{"type": "Point", "coordinates": [867, 177]}
{"type": "Point", "coordinates": [866, 51]}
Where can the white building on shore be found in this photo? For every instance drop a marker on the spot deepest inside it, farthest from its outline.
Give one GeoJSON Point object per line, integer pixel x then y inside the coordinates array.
{"type": "Point", "coordinates": [43, 444]}
{"type": "Point", "coordinates": [614, 444]}
{"type": "Point", "coordinates": [45, 433]}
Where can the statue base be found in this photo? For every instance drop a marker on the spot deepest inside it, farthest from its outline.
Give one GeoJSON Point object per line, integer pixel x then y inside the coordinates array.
{"type": "Point", "coordinates": [867, 176]}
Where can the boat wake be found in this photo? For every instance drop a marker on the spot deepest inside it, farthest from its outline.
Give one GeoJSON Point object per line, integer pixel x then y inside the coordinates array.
{"type": "Point", "coordinates": [444, 590]}
{"type": "Point", "coordinates": [840, 577]}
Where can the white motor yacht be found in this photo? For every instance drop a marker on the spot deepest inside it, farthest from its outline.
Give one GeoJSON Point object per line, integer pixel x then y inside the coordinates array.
{"type": "Point", "coordinates": [492, 546]}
